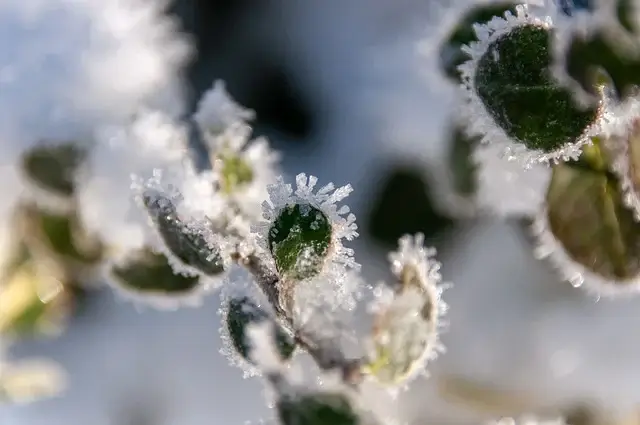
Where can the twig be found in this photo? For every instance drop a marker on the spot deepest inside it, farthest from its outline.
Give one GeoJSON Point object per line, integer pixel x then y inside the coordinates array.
{"type": "Point", "coordinates": [325, 354]}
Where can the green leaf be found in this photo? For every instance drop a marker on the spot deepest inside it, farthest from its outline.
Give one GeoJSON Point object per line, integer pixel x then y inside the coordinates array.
{"type": "Point", "coordinates": [151, 273]}
{"type": "Point", "coordinates": [54, 167]}
{"type": "Point", "coordinates": [514, 82]}
{"type": "Point", "coordinates": [316, 409]}
{"type": "Point", "coordinates": [299, 240]}
{"type": "Point", "coordinates": [587, 216]}
{"type": "Point", "coordinates": [241, 313]}
{"type": "Point", "coordinates": [451, 54]}
{"type": "Point", "coordinates": [188, 244]}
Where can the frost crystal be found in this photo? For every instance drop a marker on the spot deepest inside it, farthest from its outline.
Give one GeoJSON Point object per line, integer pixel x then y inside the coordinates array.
{"type": "Point", "coordinates": [483, 122]}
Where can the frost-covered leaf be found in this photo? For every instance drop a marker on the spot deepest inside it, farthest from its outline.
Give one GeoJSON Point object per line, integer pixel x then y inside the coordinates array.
{"type": "Point", "coordinates": [408, 317]}
{"type": "Point", "coordinates": [32, 300]}
{"type": "Point", "coordinates": [302, 231]}
{"type": "Point", "coordinates": [451, 54]}
{"type": "Point", "coordinates": [316, 409]}
{"type": "Point", "coordinates": [403, 337]}
{"type": "Point", "coordinates": [299, 240]}
{"type": "Point", "coordinates": [151, 273]}
{"type": "Point", "coordinates": [243, 312]}
{"type": "Point", "coordinates": [587, 216]}
{"type": "Point", "coordinates": [53, 167]}
{"type": "Point", "coordinates": [187, 243]}
{"type": "Point", "coordinates": [514, 83]}
{"type": "Point", "coordinates": [29, 380]}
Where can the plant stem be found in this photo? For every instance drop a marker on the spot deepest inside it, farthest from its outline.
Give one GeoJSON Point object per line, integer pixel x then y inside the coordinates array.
{"type": "Point", "coordinates": [327, 355]}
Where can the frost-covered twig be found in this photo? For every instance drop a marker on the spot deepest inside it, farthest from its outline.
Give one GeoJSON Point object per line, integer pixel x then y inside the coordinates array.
{"type": "Point", "coordinates": [326, 356]}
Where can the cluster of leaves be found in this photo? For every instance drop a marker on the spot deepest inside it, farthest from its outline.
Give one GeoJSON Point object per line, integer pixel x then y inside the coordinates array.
{"type": "Point", "coordinates": [549, 128]}
{"type": "Point", "coordinates": [288, 239]}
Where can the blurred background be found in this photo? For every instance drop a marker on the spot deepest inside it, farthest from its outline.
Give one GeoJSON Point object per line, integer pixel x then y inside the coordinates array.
{"type": "Point", "coordinates": [338, 87]}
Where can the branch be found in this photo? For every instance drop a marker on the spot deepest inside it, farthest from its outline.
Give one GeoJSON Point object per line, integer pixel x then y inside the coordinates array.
{"type": "Point", "coordinates": [327, 355]}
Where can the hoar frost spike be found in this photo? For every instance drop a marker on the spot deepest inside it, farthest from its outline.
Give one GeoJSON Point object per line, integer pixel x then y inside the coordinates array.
{"type": "Point", "coordinates": [303, 232]}
{"type": "Point", "coordinates": [408, 321]}
{"type": "Point", "coordinates": [511, 98]}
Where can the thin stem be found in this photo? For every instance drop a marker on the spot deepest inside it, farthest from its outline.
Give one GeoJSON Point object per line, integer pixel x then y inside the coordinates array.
{"type": "Point", "coordinates": [327, 355]}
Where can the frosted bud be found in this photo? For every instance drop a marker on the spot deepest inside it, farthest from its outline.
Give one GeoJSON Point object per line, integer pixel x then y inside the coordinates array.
{"type": "Point", "coordinates": [299, 240]}
{"type": "Point", "coordinates": [243, 312]}
{"type": "Point", "coordinates": [316, 409]}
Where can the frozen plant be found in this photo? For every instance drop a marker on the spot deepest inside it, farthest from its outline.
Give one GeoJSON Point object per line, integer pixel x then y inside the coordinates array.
{"type": "Point", "coordinates": [118, 197]}
{"type": "Point", "coordinates": [549, 105]}
{"type": "Point", "coordinates": [103, 187]}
